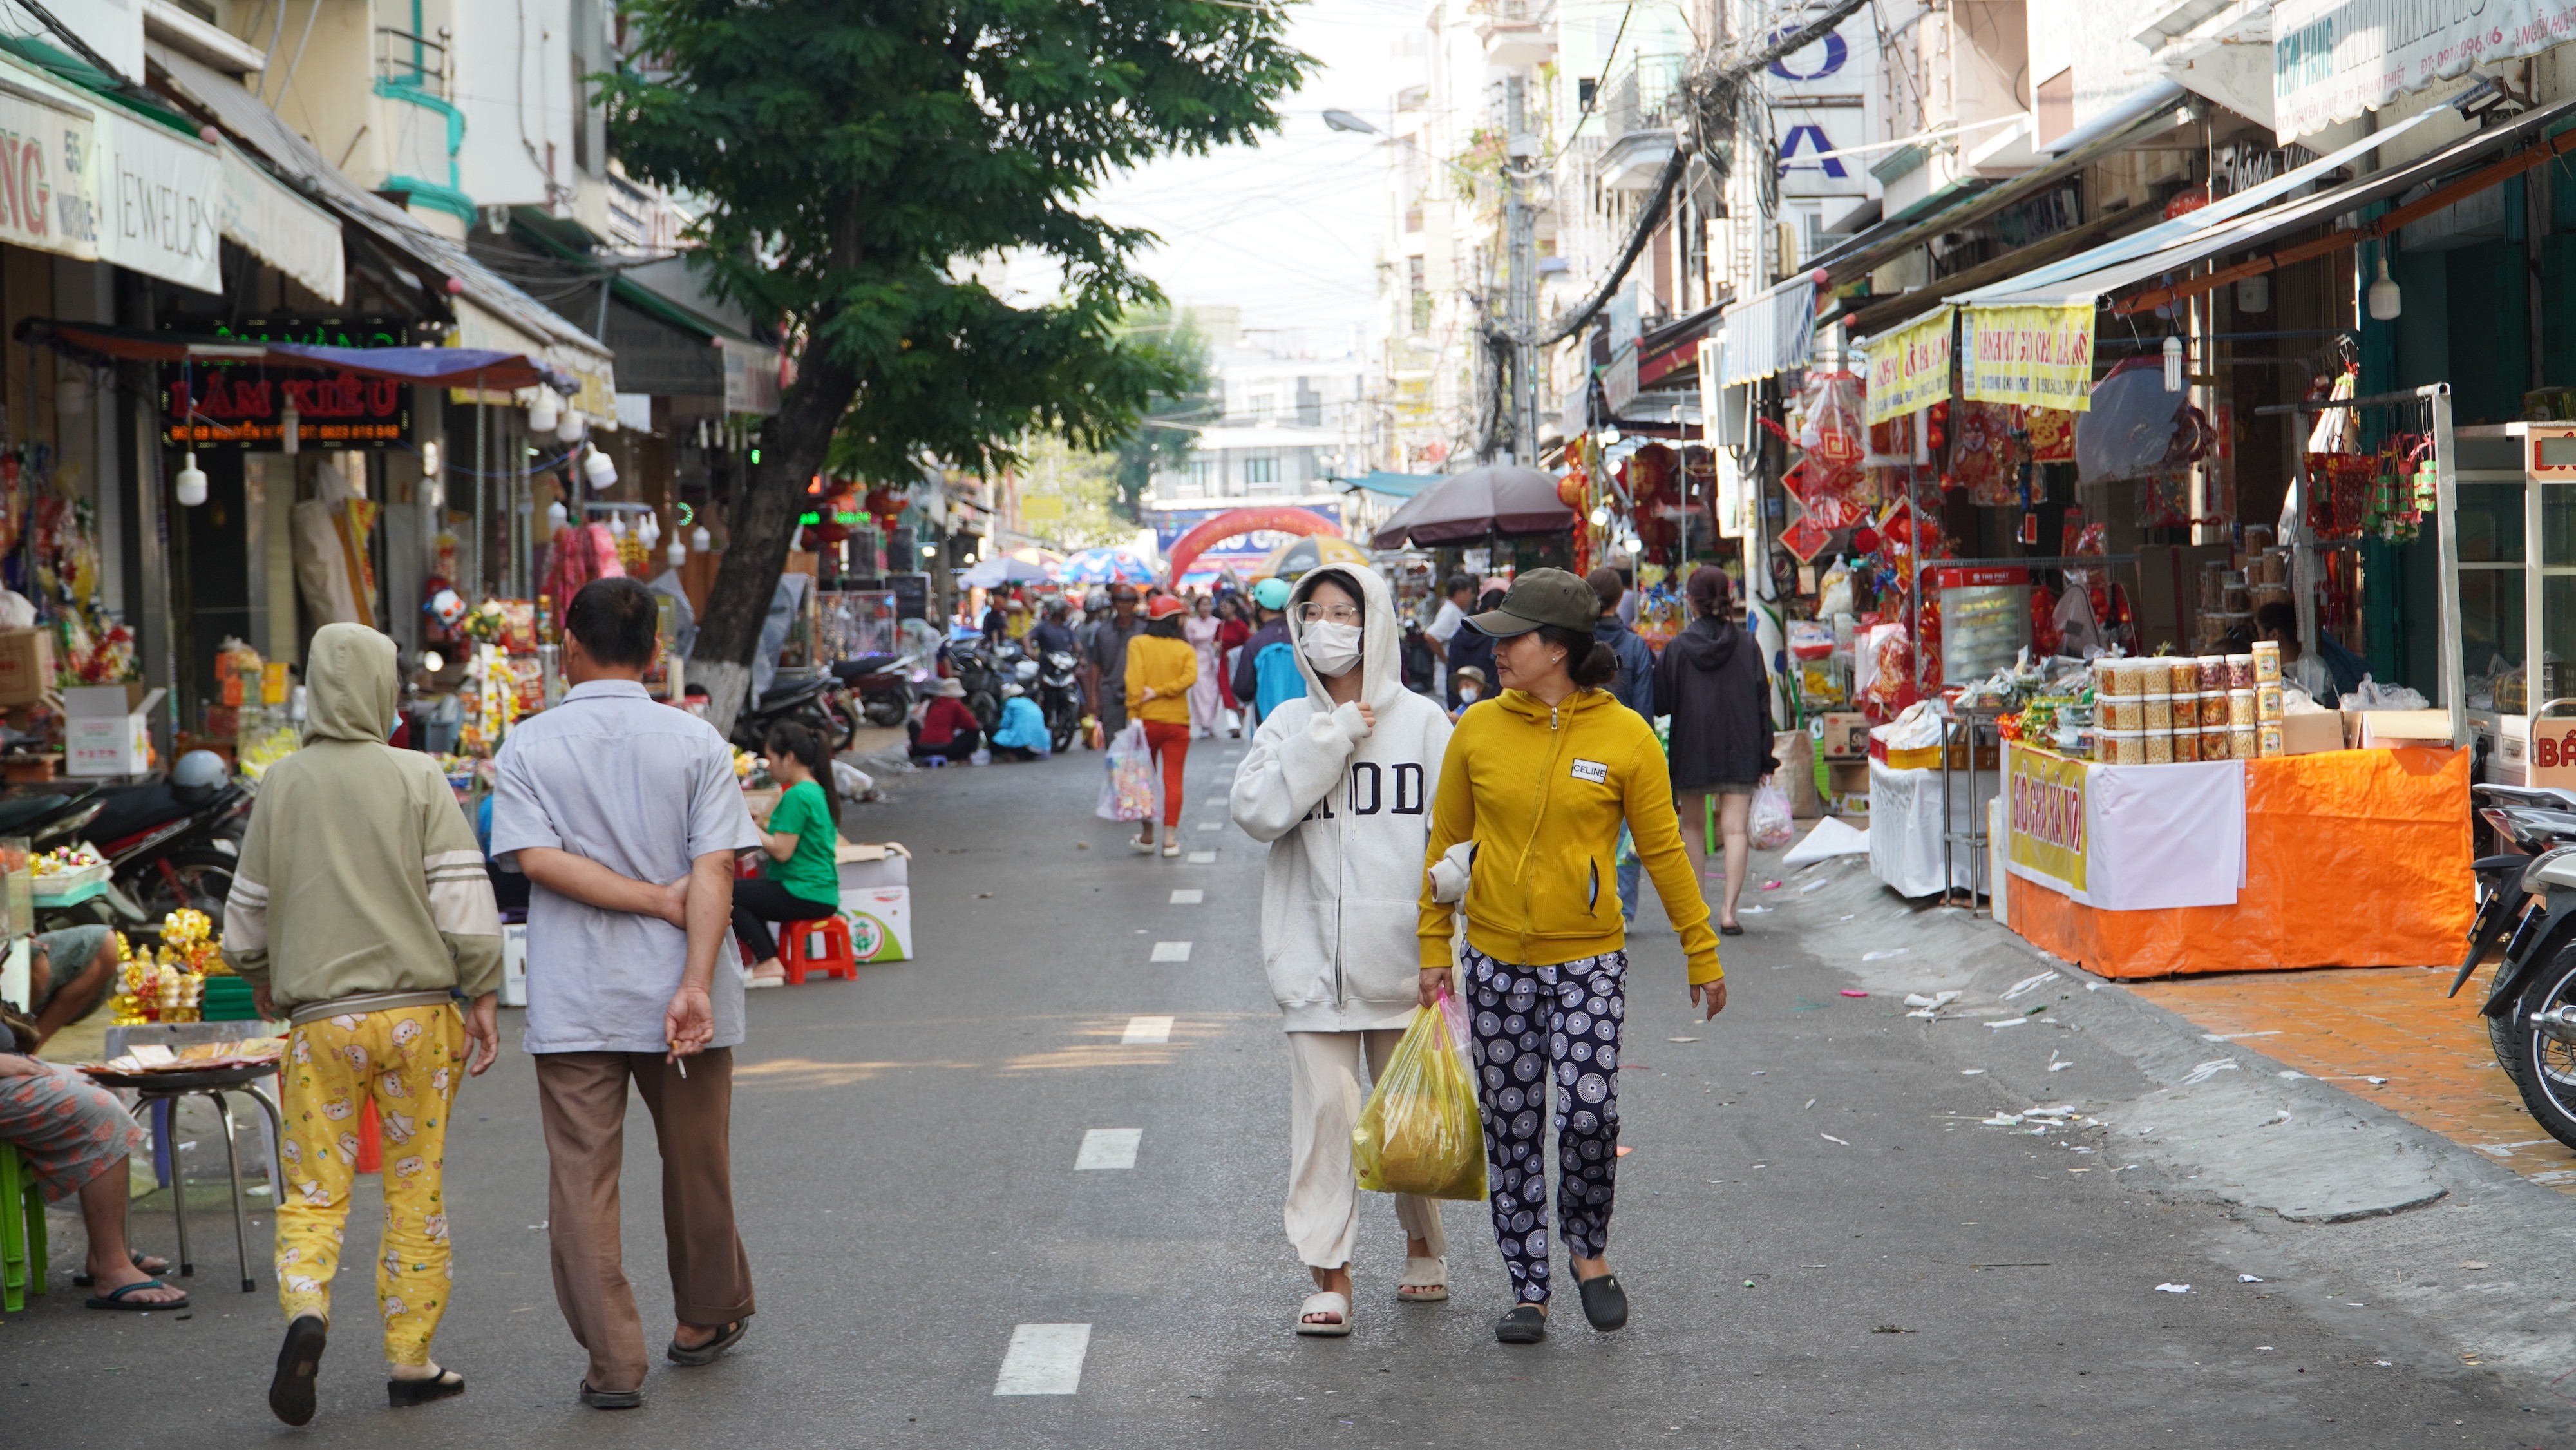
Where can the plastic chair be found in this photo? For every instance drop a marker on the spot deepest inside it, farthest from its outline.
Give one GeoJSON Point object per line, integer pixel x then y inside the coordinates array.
{"type": "Point", "coordinates": [22, 1230]}
{"type": "Point", "coordinates": [816, 946]}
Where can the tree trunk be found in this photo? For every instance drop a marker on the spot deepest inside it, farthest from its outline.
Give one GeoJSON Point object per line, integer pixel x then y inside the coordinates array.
{"type": "Point", "coordinates": [762, 524]}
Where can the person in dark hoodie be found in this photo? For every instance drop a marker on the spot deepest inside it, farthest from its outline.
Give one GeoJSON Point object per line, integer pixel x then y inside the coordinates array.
{"type": "Point", "coordinates": [1710, 679]}
{"type": "Point", "coordinates": [1635, 688]}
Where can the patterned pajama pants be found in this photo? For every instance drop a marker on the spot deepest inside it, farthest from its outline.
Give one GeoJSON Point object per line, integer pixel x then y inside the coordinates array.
{"type": "Point", "coordinates": [1532, 1023]}
{"type": "Point", "coordinates": [409, 1060]}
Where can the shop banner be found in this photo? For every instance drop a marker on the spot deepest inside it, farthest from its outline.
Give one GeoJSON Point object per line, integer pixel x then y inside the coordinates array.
{"type": "Point", "coordinates": [1909, 369]}
{"type": "Point", "coordinates": [2041, 357]}
{"type": "Point", "coordinates": [2334, 59]}
{"type": "Point", "coordinates": [262, 217]}
{"type": "Point", "coordinates": [2044, 810]}
{"type": "Point", "coordinates": [161, 203]}
{"type": "Point", "coordinates": [48, 197]}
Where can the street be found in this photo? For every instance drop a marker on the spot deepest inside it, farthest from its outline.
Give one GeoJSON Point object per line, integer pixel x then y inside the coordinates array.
{"type": "Point", "coordinates": [1824, 1241]}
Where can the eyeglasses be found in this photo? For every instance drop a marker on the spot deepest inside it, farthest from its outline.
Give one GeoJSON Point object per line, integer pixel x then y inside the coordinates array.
{"type": "Point", "coordinates": [1312, 613]}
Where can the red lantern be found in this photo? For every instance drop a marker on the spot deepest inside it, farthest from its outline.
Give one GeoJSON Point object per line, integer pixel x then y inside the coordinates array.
{"type": "Point", "coordinates": [1570, 490]}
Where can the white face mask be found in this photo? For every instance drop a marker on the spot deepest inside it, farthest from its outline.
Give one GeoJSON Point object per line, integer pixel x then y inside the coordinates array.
{"type": "Point", "coordinates": [1466, 694]}
{"type": "Point", "coordinates": [1333, 649]}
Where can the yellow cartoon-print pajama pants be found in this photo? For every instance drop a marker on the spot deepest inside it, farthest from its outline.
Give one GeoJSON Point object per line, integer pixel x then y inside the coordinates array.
{"type": "Point", "coordinates": [410, 1061]}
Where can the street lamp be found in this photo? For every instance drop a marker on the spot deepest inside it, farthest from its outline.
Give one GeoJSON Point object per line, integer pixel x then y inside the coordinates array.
{"type": "Point", "coordinates": [1341, 120]}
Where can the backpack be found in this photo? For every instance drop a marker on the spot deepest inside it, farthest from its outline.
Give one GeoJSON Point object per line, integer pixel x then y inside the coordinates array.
{"type": "Point", "coordinates": [1276, 679]}
{"type": "Point", "coordinates": [1416, 660]}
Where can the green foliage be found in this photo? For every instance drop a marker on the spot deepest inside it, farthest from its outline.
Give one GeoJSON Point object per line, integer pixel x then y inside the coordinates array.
{"type": "Point", "coordinates": [1153, 445]}
{"type": "Point", "coordinates": [859, 155]}
{"type": "Point", "coordinates": [1084, 485]}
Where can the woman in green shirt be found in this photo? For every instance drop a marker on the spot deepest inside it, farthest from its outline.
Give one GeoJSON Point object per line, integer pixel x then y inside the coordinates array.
{"type": "Point", "coordinates": [798, 880]}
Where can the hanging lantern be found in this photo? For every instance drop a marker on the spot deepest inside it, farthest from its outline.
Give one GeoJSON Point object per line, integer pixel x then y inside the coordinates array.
{"type": "Point", "coordinates": [544, 410]}
{"type": "Point", "coordinates": [190, 485]}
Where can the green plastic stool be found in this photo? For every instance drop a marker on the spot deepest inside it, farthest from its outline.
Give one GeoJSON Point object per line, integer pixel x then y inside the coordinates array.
{"type": "Point", "coordinates": [22, 1231]}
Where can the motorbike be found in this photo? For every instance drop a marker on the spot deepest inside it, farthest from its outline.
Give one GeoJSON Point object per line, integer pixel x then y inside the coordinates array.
{"type": "Point", "coordinates": [1059, 697]}
{"type": "Point", "coordinates": [882, 684]}
{"type": "Point", "coordinates": [168, 844]}
{"type": "Point", "coordinates": [979, 670]}
{"type": "Point", "coordinates": [2527, 900]}
{"type": "Point", "coordinates": [820, 704]}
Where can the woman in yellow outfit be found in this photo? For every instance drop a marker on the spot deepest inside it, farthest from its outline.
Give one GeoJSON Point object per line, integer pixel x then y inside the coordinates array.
{"type": "Point", "coordinates": [1536, 783]}
{"type": "Point", "coordinates": [1161, 667]}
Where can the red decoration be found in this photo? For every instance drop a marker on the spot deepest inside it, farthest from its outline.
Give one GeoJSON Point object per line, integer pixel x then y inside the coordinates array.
{"type": "Point", "coordinates": [1570, 490]}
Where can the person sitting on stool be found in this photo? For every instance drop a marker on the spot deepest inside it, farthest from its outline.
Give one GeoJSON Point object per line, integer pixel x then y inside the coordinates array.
{"type": "Point", "coordinates": [946, 726]}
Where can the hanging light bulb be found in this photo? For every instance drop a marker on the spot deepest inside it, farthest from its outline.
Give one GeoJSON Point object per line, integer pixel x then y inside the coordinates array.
{"type": "Point", "coordinates": [2173, 364]}
{"type": "Point", "coordinates": [2385, 300]}
{"type": "Point", "coordinates": [544, 410]}
{"type": "Point", "coordinates": [573, 426]}
{"type": "Point", "coordinates": [678, 554]}
{"type": "Point", "coordinates": [700, 540]}
{"type": "Point", "coordinates": [429, 459]}
{"type": "Point", "coordinates": [649, 529]}
{"type": "Point", "coordinates": [1600, 517]}
{"type": "Point", "coordinates": [290, 429]}
{"type": "Point", "coordinates": [557, 517]}
{"type": "Point", "coordinates": [432, 662]}
{"type": "Point", "coordinates": [599, 470]}
{"type": "Point", "coordinates": [191, 482]}
{"type": "Point", "coordinates": [617, 526]}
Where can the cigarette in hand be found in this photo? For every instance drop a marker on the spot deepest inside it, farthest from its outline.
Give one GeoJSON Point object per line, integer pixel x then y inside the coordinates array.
{"type": "Point", "coordinates": [678, 1061]}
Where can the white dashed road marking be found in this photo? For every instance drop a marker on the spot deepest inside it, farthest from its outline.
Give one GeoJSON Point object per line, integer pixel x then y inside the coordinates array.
{"type": "Point", "coordinates": [1148, 1029]}
{"type": "Point", "coordinates": [1108, 1148]}
{"type": "Point", "coordinates": [1171, 951]}
{"type": "Point", "coordinates": [1188, 896]}
{"type": "Point", "coordinates": [1211, 825]}
{"type": "Point", "coordinates": [1044, 1359]}
{"type": "Point", "coordinates": [1202, 858]}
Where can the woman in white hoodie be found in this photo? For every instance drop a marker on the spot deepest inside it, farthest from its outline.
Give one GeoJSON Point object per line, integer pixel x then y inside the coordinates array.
{"type": "Point", "coordinates": [1340, 784]}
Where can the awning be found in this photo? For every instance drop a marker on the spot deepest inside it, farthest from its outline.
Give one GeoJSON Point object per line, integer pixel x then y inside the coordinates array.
{"type": "Point", "coordinates": [2244, 222]}
{"type": "Point", "coordinates": [1393, 485]}
{"type": "Point", "coordinates": [262, 217]}
{"type": "Point", "coordinates": [431, 366]}
{"type": "Point", "coordinates": [302, 166]}
{"type": "Point", "coordinates": [1770, 332]}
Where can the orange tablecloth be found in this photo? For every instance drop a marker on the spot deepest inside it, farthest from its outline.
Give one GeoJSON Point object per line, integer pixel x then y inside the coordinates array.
{"type": "Point", "coordinates": [2353, 858]}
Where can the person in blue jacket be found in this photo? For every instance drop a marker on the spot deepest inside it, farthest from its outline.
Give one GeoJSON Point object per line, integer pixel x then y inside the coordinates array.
{"type": "Point", "coordinates": [1022, 733]}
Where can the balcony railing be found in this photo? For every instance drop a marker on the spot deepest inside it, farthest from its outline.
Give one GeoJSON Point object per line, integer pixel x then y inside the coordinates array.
{"type": "Point", "coordinates": [1647, 96]}
{"type": "Point", "coordinates": [405, 59]}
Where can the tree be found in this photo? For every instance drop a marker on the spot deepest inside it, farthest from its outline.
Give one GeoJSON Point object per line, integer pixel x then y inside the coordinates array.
{"type": "Point", "coordinates": [1083, 489]}
{"type": "Point", "coordinates": [857, 156]}
{"type": "Point", "coordinates": [1159, 442]}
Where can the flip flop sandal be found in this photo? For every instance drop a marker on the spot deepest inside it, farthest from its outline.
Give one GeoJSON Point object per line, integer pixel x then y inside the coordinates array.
{"type": "Point", "coordinates": [1140, 846]}
{"type": "Point", "coordinates": [1735, 930]}
{"type": "Point", "coordinates": [1325, 1302]}
{"type": "Point", "coordinates": [403, 1394]}
{"type": "Point", "coordinates": [1605, 1304]}
{"type": "Point", "coordinates": [85, 1278]}
{"type": "Point", "coordinates": [1521, 1324]}
{"type": "Point", "coordinates": [115, 1298]}
{"type": "Point", "coordinates": [706, 1353]}
{"type": "Point", "coordinates": [1426, 1281]}
{"type": "Point", "coordinates": [1172, 846]}
{"type": "Point", "coordinates": [299, 1362]}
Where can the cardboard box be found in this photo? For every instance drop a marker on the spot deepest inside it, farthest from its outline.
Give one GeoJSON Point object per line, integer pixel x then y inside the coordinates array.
{"type": "Point", "coordinates": [1847, 784]}
{"type": "Point", "coordinates": [880, 922]}
{"type": "Point", "coordinates": [2311, 732]}
{"type": "Point", "coordinates": [1845, 737]}
{"type": "Point", "coordinates": [26, 665]}
{"type": "Point", "coordinates": [1797, 773]}
{"type": "Point", "coordinates": [2372, 729]}
{"type": "Point", "coordinates": [863, 867]}
{"type": "Point", "coordinates": [104, 732]}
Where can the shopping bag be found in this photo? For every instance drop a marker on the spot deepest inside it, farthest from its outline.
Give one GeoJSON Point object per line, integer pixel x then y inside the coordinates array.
{"type": "Point", "coordinates": [1127, 786]}
{"type": "Point", "coordinates": [1419, 1133]}
{"type": "Point", "coordinates": [1771, 824]}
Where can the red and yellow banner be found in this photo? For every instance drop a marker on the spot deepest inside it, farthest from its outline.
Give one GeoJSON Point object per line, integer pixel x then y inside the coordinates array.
{"type": "Point", "coordinates": [1909, 368]}
{"type": "Point", "coordinates": [2041, 357]}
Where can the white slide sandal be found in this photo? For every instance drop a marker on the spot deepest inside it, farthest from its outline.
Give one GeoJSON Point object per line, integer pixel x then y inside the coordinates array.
{"type": "Point", "coordinates": [1325, 1302]}
{"type": "Point", "coordinates": [1426, 1281]}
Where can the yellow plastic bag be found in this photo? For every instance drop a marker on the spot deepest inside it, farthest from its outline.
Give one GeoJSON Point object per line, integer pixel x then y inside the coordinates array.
{"type": "Point", "coordinates": [1419, 1133]}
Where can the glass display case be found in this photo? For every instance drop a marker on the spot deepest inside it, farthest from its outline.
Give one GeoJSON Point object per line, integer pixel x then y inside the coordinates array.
{"type": "Point", "coordinates": [2509, 565]}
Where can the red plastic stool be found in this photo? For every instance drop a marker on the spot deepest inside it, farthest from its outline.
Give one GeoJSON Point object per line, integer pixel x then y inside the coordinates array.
{"type": "Point", "coordinates": [816, 946]}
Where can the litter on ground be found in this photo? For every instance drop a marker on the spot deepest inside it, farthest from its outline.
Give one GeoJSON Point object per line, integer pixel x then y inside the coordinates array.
{"type": "Point", "coordinates": [1770, 885]}
{"type": "Point", "coordinates": [1830, 1138]}
{"type": "Point", "coordinates": [2208, 1070]}
{"type": "Point", "coordinates": [2029, 984]}
{"type": "Point", "coordinates": [1851, 992]}
{"type": "Point", "coordinates": [2173, 1288]}
{"type": "Point", "coordinates": [2247, 1279]}
{"type": "Point", "coordinates": [1880, 956]}
{"type": "Point", "coordinates": [2009, 1022]}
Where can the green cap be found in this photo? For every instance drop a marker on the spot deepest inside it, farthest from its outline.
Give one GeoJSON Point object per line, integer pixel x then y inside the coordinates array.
{"type": "Point", "coordinates": [1542, 596]}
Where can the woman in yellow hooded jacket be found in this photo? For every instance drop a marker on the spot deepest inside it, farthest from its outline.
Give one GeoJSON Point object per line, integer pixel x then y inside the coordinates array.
{"type": "Point", "coordinates": [1535, 784]}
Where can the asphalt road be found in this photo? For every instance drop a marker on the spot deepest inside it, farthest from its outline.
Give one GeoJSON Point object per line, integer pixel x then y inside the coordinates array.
{"type": "Point", "coordinates": [1821, 1245]}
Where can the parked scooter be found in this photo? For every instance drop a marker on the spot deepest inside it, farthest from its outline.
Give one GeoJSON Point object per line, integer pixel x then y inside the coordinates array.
{"type": "Point", "coordinates": [169, 844]}
{"type": "Point", "coordinates": [1059, 697]}
{"type": "Point", "coordinates": [2527, 900]}
{"type": "Point", "coordinates": [882, 684]}
{"type": "Point", "coordinates": [819, 704]}
{"type": "Point", "coordinates": [977, 669]}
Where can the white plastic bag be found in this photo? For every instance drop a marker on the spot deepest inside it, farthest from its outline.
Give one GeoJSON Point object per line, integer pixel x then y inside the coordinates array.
{"type": "Point", "coordinates": [1771, 824]}
{"type": "Point", "coordinates": [1127, 784]}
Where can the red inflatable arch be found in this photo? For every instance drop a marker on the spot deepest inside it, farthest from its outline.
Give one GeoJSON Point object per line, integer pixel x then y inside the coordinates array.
{"type": "Point", "coordinates": [1236, 522]}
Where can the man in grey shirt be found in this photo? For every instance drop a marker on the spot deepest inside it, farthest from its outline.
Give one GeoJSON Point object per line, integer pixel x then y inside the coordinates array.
{"type": "Point", "coordinates": [1104, 659]}
{"type": "Point", "coordinates": [625, 816]}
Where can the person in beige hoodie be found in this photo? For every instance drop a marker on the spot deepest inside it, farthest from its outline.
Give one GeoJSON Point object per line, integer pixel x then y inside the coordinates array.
{"type": "Point", "coordinates": [361, 911]}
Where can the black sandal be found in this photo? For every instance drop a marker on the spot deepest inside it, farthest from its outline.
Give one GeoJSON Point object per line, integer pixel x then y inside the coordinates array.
{"type": "Point", "coordinates": [1605, 1304]}
{"type": "Point", "coordinates": [1521, 1324]}
{"type": "Point", "coordinates": [706, 1353]}
{"type": "Point", "coordinates": [402, 1394]}
{"type": "Point", "coordinates": [299, 1362]}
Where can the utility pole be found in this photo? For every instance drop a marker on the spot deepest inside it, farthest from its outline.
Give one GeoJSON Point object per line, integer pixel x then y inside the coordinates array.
{"type": "Point", "coordinates": [1520, 151]}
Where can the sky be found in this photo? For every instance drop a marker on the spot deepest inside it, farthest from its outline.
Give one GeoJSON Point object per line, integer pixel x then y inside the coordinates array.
{"type": "Point", "coordinates": [1287, 230]}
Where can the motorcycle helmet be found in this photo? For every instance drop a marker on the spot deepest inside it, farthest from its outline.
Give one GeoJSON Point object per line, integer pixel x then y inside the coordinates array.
{"type": "Point", "coordinates": [1012, 692]}
{"type": "Point", "coordinates": [1025, 671]}
{"type": "Point", "coordinates": [197, 776]}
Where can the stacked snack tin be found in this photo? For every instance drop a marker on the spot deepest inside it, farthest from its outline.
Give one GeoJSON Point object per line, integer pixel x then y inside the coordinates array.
{"type": "Point", "coordinates": [2183, 708]}
{"type": "Point", "coordinates": [2120, 710]}
{"type": "Point", "coordinates": [2266, 662]}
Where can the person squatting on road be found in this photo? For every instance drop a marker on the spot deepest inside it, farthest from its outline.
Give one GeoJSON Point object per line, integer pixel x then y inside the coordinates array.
{"type": "Point", "coordinates": [1539, 779]}
{"type": "Point", "coordinates": [1338, 784]}
{"type": "Point", "coordinates": [360, 909]}
{"type": "Point", "coordinates": [1161, 668]}
{"type": "Point", "coordinates": [798, 878]}
{"type": "Point", "coordinates": [625, 817]}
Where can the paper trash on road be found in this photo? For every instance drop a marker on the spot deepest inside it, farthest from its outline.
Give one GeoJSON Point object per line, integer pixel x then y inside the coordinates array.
{"type": "Point", "coordinates": [1927, 1006]}
{"type": "Point", "coordinates": [2247, 1279]}
{"type": "Point", "coordinates": [2008, 1022]}
{"type": "Point", "coordinates": [2173, 1288]}
{"type": "Point", "coordinates": [1881, 956]}
{"type": "Point", "coordinates": [2001, 1120]}
{"type": "Point", "coordinates": [2063, 1111]}
{"type": "Point", "coordinates": [1851, 992]}
{"type": "Point", "coordinates": [1829, 839]}
{"type": "Point", "coordinates": [2208, 1070]}
{"type": "Point", "coordinates": [1830, 1138]}
{"type": "Point", "coordinates": [2029, 984]}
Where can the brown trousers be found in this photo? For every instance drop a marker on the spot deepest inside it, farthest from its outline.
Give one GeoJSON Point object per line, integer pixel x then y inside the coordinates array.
{"type": "Point", "coordinates": [582, 1098]}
